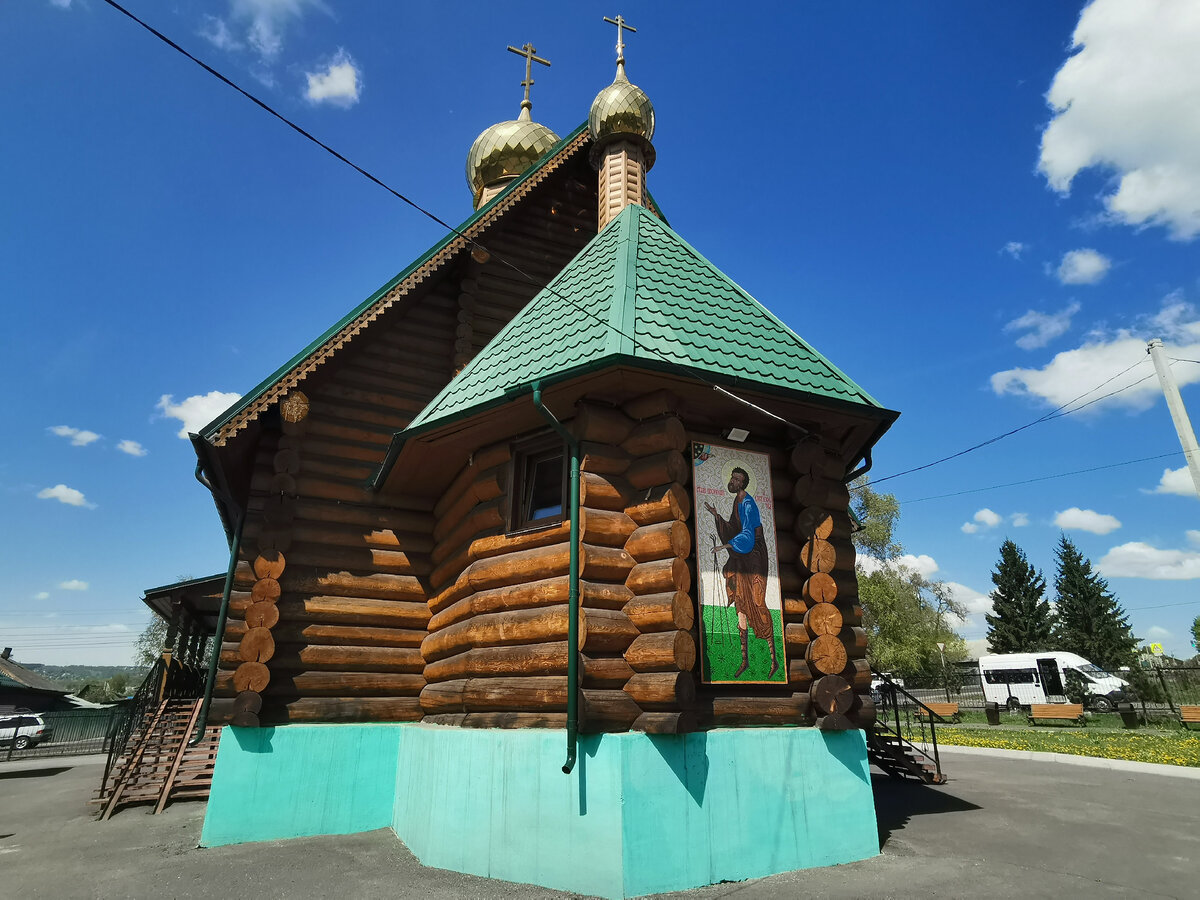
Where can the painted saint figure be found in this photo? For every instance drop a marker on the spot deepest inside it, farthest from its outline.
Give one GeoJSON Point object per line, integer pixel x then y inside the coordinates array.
{"type": "Point", "coordinates": [745, 570]}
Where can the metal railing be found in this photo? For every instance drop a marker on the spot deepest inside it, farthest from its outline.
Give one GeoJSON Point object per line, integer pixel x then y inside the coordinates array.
{"type": "Point", "coordinates": [61, 733]}
{"type": "Point", "coordinates": [895, 716]}
{"type": "Point", "coordinates": [1170, 687]}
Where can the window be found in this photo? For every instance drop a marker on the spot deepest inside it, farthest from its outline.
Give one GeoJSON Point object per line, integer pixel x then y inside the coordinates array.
{"type": "Point", "coordinates": [1011, 676]}
{"type": "Point", "coordinates": [538, 487]}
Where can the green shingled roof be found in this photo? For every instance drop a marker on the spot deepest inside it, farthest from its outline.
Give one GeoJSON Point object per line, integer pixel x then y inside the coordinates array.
{"type": "Point", "coordinates": [639, 292]}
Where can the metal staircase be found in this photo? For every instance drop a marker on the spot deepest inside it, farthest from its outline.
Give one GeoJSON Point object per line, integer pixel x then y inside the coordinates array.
{"type": "Point", "coordinates": [901, 745]}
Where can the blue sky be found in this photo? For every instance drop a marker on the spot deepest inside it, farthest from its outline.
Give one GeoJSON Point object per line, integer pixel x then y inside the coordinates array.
{"type": "Point", "coordinates": [978, 211]}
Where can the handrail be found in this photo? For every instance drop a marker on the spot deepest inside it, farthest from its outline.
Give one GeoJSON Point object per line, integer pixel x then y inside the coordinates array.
{"type": "Point", "coordinates": [890, 690]}
{"type": "Point", "coordinates": [145, 696]}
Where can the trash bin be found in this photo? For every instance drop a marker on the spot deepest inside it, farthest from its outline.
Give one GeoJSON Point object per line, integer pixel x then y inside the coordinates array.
{"type": "Point", "coordinates": [1129, 716]}
{"type": "Point", "coordinates": [992, 711]}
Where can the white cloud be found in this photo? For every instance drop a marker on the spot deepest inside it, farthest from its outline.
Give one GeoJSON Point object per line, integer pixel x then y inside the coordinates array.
{"type": "Point", "coordinates": [1126, 103]}
{"type": "Point", "coordinates": [216, 31]}
{"type": "Point", "coordinates": [1105, 354]}
{"type": "Point", "coordinates": [1193, 536]}
{"type": "Point", "coordinates": [61, 4]}
{"type": "Point", "coordinates": [42, 595]}
{"type": "Point", "coordinates": [976, 603]}
{"type": "Point", "coordinates": [1020, 520]}
{"type": "Point", "coordinates": [73, 584]}
{"type": "Point", "coordinates": [923, 564]}
{"type": "Point", "coordinates": [133, 448]}
{"type": "Point", "coordinates": [1084, 266]}
{"type": "Point", "coordinates": [1041, 328]}
{"type": "Point", "coordinates": [984, 518]}
{"type": "Point", "coordinates": [988, 518]}
{"type": "Point", "coordinates": [1014, 249]}
{"type": "Point", "coordinates": [196, 411]}
{"type": "Point", "coordinates": [1157, 633]}
{"type": "Point", "coordinates": [64, 494]}
{"type": "Point", "coordinates": [1141, 560]}
{"type": "Point", "coordinates": [79, 437]}
{"type": "Point", "coordinates": [266, 20]}
{"type": "Point", "coordinates": [1176, 481]}
{"type": "Point", "coordinates": [1086, 520]}
{"type": "Point", "coordinates": [338, 83]}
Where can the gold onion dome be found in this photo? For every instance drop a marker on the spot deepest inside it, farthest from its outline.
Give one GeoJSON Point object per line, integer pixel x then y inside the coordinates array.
{"type": "Point", "coordinates": [506, 150]}
{"type": "Point", "coordinates": [621, 108]}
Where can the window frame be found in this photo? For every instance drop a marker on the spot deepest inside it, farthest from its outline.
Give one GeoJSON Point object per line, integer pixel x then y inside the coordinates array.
{"type": "Point", "coordinates": [527, 452]}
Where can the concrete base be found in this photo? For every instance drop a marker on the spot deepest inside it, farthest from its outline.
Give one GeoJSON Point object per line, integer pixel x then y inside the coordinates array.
{"type": "Point", "coordinates": [640, 814]}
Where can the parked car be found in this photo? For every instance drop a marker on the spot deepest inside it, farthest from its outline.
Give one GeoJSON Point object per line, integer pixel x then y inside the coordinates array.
{"type": "Point", "coordinates": [23, 730]}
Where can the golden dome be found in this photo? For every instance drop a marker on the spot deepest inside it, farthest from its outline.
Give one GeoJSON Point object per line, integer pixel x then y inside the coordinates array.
{"type": "Point", "coordinates": [621, 108]}
{"type": "Point", "coordinates": [506, 150]}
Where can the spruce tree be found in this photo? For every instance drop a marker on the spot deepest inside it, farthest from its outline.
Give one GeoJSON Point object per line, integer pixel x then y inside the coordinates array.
{"type": "Point", "coordinates": [1020, 621]}
{"type": "Point", "coordinates": [1091, 621]}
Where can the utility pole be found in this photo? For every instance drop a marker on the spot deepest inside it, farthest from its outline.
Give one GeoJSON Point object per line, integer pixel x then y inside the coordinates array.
{"type": "Point", "coordinates": [1183, 426]}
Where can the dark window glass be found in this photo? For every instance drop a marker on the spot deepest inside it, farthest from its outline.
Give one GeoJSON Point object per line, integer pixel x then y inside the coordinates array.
{"type": "Point", "coordinates": [538, 484]}
{"type": "Point", "coordinates": [544, 497]}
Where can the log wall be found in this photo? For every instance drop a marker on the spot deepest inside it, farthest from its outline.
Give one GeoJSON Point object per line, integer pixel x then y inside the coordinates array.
{"type": "Point", "coordinates": [496, 652]}
{"type": "Point", "coordinates": [834, 660]}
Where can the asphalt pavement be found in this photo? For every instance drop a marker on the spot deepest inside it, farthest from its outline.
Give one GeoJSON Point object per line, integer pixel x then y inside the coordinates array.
{"type": "Point", "coordinates": [1002, 827]}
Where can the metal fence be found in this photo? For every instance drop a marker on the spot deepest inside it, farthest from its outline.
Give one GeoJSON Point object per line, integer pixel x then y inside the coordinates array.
{"type": "Point", "coordinates": [66, 733]}
{"type": "Point", "coordinates": [1169, 687]}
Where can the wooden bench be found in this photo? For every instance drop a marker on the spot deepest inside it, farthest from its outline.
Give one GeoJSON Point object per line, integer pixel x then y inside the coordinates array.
{"type": "Point", "coordinates": [941, 710]}
{"type": "Point", "coordinates": [1189, 716]}
{"type": "Point", "coordinates": [1048, 711]}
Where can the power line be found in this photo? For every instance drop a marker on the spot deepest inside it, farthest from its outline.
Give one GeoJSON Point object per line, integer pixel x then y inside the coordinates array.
{"type": "Point", "coordinates": [1053, 414]}
{"type": "Point", "coordinates": [435, 218]}
{"type": "Point", "coordinates": [1196, 361]}
{"type": "Point", "coordinates": [994, 487]}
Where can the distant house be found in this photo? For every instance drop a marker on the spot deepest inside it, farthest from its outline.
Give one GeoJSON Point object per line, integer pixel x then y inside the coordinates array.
{"type": "Point", "coordinates": [22, 689]}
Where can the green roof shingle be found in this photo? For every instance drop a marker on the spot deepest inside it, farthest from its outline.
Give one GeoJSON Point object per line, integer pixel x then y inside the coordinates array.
{"type": "Point", "coordinates": [638, 291]}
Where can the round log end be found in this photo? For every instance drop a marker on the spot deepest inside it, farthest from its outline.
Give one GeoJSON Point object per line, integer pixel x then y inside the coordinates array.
{"type": "Point", "coordinates": [820, 588]}
{"type": "Point", "coordinates": [251, 676]}
{"type": "Point", "coordinates": [264, 614]}
{"type": "Point", "coordinates": [827, 654]}
{"type": "Point", "coordinates": [266, 590]}
{"type": "Point", "coordinates": [269, 564]}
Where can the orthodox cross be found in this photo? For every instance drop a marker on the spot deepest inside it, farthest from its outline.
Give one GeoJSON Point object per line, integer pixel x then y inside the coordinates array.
{"type": "Point", "coordinates": [619, 21]}
{"type": "Point", "coordinates": [529, 52]}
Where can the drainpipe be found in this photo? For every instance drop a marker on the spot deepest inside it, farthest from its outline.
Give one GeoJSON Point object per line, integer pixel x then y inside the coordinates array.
{"type": "Point", "coordinates": [572, 585]}
{"type": "Point", "coordinates": [861, 470]}
{"type": "Point", "coordinates": [219, 634]}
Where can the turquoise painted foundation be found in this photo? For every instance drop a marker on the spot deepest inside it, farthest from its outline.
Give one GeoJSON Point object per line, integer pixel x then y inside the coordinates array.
{"type": "Point", "coordinates": [301, 780]}
{"type": "Point", "coordinates": [640, 814]}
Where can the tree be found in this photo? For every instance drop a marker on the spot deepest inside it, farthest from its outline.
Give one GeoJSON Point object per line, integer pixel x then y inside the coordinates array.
{"type": "Point", "coordinates": [906, 615]}
{"type": "Point", "coordinates": [1090, 620]}
{"type": "Point", "coordinates": [1196, 634]}
{"type": "Point", "coordinates": [1021, 620]}
{"type": "Point", "coordinates": [150, 642]}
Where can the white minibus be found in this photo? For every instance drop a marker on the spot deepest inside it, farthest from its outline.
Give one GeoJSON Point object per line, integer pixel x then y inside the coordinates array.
{"type": "Point", "coordinates": [1021, 679]}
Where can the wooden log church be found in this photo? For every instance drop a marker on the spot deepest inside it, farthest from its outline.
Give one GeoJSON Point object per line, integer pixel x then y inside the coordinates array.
{"type": "Point", "coordinates": [470, 593]}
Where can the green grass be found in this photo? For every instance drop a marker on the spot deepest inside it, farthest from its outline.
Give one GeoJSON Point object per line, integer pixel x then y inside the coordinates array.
{"type": "Point", "coordinates": [721, 647]}
{"type": "Point", "coordinates": [1172, 748]}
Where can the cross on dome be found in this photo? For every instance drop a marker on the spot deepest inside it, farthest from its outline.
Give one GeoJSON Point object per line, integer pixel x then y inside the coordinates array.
{"type": "Point", "coordinates": [530, 53]}
{"type": "Point", "coordinates": [622, 27]}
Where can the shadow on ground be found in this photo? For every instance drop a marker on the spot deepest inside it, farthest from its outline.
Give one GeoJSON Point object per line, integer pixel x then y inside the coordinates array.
{"type": "Point", "coordinates": [896, 802]}
{"type": "Point", "coordinates": [36, 773]}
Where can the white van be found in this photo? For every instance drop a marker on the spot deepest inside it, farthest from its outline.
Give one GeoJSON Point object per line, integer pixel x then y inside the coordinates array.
{"type": "Point", "coordinates": [1022, 679]}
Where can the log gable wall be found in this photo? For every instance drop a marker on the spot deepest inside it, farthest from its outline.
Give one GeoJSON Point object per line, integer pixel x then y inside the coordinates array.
{"type": "Point", "coordinates": [331, 592]}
